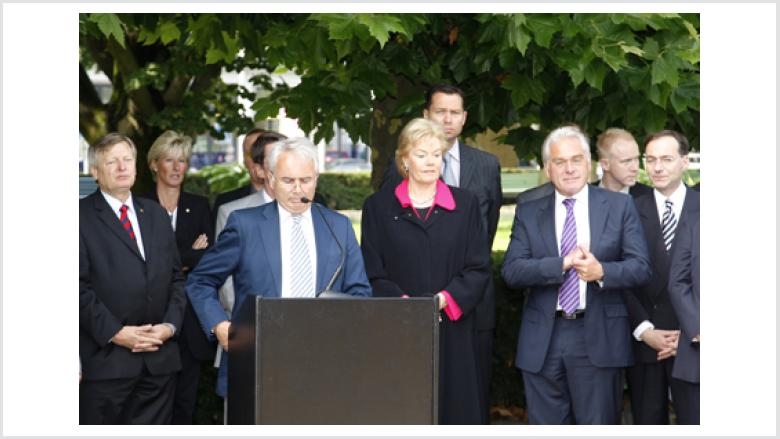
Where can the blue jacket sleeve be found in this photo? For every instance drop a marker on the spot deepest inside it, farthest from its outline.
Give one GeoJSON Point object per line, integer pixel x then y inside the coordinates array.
{"type": "Point", "coordinates": [217, 264]}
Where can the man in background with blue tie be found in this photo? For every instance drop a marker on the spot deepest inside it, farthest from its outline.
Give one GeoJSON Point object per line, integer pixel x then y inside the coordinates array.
{"type": "Point", "coordinates": [286, 248]}
{"type": "Point", "coordinates": [654, 324]}
{"type": "Point", "coordinates": [578, 250]}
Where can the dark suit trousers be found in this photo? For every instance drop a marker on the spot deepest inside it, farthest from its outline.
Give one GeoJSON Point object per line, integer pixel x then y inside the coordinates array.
{"type": "Point", "coordinates": [146, 399]}
{"type": "Point", "coordinates": [688, 406]}
{"type": "Point", "coordinates": [484, 367]}
{"type": "Point", "coordinates": [569, 388]}
{"type": "Point", "coordinates": [186, 393]}
{"type": "Point", "coordinates": [649, 384]}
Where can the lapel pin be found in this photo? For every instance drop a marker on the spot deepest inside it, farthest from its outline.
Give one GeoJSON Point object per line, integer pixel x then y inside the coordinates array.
{"type": "Point", "coordinates": [187, 210]}
{"type": "Point", "coordinates": [141, 210]}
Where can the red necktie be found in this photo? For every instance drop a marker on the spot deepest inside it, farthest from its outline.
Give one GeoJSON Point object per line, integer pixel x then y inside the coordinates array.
{"type": "Point", "coordinates": [125, 220]}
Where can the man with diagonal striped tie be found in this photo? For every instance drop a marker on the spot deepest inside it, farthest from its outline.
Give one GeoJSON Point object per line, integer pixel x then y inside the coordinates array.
{"type": "Point", "coordinates": [579, 250]}
{"type": "Point", "coordinates": [131, 296]}
{"type": "Point", "coordinates": [280, 249]}
{"type": "Point", "coordinates": [654, 323]}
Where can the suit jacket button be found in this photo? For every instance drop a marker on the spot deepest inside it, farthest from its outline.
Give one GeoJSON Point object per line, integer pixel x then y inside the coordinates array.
{"type": "Point", "coordinates": [395, 217]}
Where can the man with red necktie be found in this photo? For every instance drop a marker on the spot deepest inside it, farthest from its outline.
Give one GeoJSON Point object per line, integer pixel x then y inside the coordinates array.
{"type": "Point", "coordinates": [131, 296]}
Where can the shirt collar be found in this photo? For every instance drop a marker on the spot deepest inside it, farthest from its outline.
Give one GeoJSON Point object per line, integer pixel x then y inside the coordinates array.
{"type": "Point", "coordinates": [116, 204]}
{"type": "Point", "coordinates": [677, 197]}
{"type": "Point", "coordinates": [581, 196]}
{"type": "Point", "coordinates": [285, 215]}
{"type": "Point", "coordinates": [454, 151]}
{"type": "Point", "coordinates": [443, 197]}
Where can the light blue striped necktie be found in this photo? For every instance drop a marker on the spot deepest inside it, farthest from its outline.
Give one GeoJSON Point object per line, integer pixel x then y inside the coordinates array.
{"type": "Point", "coordinates": [300, 272]}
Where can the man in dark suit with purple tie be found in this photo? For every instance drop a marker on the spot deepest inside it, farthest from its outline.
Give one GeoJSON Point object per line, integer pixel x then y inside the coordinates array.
{"type": "Point", "coordinates": [579, 250]}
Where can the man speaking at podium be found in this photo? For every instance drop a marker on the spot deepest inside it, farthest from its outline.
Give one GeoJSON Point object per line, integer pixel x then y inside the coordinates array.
{"type": "Point", "coordinates": [289, 248]}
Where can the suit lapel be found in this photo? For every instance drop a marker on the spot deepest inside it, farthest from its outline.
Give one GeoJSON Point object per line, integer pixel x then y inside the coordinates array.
{"type": "Point", "coordinates": [323, 241]}
{"type": "Point", "coordinates": [466, 166]}
{"type": "Point", "coordinates": [598, 209]}
{"type": "Point", "coordinates": [269, 230]}
{"type": "Point", "coordinates": [110, 219]}
{"type": "Point", "coordinates": [546, 220]}
{"type": "Point", "coordinates": [146, 226]}
{"type": "Point", "coordinates": [648, 212]}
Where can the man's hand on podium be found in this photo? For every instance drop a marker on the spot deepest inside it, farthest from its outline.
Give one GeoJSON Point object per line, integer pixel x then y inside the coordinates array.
{"type": "Point", "coordinates": [221, 331]}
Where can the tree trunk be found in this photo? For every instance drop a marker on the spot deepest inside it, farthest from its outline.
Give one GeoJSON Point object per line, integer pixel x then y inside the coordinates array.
{"type": "Point", "coordinates": [385, 129]}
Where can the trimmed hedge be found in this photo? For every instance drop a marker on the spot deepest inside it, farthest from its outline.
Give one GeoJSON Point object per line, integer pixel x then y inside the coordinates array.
{"type": "Point", "coordinates": [345, 191]}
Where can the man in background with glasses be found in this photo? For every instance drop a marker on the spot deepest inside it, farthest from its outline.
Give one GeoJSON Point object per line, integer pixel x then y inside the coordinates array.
{"type": "Point", "coordinates": [655, 326]}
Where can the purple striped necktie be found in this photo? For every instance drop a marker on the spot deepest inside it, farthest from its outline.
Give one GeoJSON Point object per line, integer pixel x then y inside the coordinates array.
{"type": "Point", "coordinates": [569, 294]}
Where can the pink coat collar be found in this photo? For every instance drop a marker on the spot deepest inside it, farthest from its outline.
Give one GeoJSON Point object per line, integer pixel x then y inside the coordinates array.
{"type": "Point", "coordinates": [442, 199]}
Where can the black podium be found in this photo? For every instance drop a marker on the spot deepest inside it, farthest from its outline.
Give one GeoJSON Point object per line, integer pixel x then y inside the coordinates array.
{"type": "Point", "coordinates": [334, 361]}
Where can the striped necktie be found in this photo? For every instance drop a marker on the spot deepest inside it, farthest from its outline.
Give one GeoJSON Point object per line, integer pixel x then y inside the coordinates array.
{"type": "Point", "coordinates": [300, 273]}
{"type": "Point", "coordinates": [125, 220]}
{"type": "Point", "coordinates": [569, 294]}
{"type": "Point", "coordinates": [668, 225]}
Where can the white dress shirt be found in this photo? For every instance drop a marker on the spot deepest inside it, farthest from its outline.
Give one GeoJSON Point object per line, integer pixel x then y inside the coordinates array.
{"type": "Point", "coordinates": [172, 216]}
{"type": "Point", "coordinates": [677, 198]}
{"type": "Point", "coordinates": [454, 161]}
{"type": "Point", "coordinates": [115, 206]}
{"type": "Point", "coordinates": [285, 235]}
{"type": "Point", "coordinates": [583, 230]}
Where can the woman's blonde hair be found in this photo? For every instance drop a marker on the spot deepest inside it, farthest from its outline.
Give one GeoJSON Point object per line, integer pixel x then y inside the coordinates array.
{"type": "Point", "coordinates": [416, 130]}
{"type": "Point", "coordinates": [172, 143]}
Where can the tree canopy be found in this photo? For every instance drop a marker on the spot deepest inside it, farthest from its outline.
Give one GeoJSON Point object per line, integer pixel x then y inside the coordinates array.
{"type": "Point", "coordinates": [368, 72]}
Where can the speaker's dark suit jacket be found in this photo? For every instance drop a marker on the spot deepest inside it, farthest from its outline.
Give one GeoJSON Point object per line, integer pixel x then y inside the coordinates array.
{"type": "Point", "coordinates": [117, 287]}
{"type": "Point", "coordinates": [652, 301]}
{"type": "Point", "coordinates": [193, 217]}
{"type": "Point", "coordinates": [684, 292]}
{"type": "Point", "coordinates": [480, 174]}
{"type": "Point", "coordinates": [532, 261]}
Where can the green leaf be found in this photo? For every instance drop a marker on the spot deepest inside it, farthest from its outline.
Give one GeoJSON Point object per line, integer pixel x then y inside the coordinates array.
{"type": "Point", "coordinates": [380, 26]}
{"type": "Point", "coordinates": [664, 71]}
{"type": "Point", "coordinates": [110, 25]}
{"type": "Point", "coordinates": [632, 49]}
{"type": "Point", "coordinates": [266, 108]}
{"type": "Point", "coordinates": [340, 26]}
{"type": "Point", "coordinates": [524, 89]}
{"type": "Point", "coordinates": [409, 105]}
{"type": "Point", "coordinates": [231, 45]}
{"type": "Point", "coordinates": [651, 49]}
{"type": "Point", "coordinates": [214, 55]}
{"type": "Point", "coordinates": [169, 32]}
{"type": "Point", "coordinates": [659, 94]}
{"type": "Point", "coordinates": [595, 72]}
{"type": "Point", "coordinates": [459, 64]}
{"type": "Point", "coordinates": [543, 26]}
{"type": "Point", "coordinates": [610, 54]}
{"type": "Point", "coordinates": [517, 36]}
{"type": "Point", "coordinates": [147, 37]}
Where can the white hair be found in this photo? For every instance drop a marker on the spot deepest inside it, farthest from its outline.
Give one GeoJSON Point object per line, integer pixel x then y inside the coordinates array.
{"type": "Point", "coordinates": [561, 132]}
{"type": "Point", "coordinates": [301, 146]}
